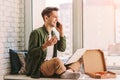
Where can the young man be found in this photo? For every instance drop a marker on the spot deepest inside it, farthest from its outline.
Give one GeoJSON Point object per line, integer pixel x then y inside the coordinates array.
{"type": "Point", "coordinates": [42, 52]}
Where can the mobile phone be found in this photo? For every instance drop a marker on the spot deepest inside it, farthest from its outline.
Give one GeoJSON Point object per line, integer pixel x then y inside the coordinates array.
{"type": "Point", "coordinates": [57, 24]}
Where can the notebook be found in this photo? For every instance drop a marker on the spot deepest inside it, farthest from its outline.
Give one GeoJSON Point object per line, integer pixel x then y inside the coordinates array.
{"type": "Point", "coordinates": [75, 57]}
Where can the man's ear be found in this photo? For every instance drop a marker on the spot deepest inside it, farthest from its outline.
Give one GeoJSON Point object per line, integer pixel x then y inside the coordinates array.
{"type": "Point", "coordinates": [46, 18]}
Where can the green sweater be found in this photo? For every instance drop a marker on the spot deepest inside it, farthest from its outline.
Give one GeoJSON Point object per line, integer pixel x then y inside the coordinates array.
{"type": "Point", "coordinates": [36, 55]}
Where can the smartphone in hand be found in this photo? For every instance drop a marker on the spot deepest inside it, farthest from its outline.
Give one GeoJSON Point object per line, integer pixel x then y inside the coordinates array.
{"type": "Point", "coordinates": [57, 24]}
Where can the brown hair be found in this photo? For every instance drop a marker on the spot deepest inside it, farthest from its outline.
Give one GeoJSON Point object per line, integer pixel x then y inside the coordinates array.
{"type": "Point", "coordinates": [48, 10]}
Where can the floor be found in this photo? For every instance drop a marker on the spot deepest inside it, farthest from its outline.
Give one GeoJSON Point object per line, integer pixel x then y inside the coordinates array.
{"type": "Point", "coordinates": [82, 77]}
{"type": "Point", "coordinates": [23, 77]}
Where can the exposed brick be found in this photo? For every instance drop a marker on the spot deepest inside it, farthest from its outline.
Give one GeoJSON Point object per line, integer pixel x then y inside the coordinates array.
{"type": "Point", "coordinates": [11, 30]}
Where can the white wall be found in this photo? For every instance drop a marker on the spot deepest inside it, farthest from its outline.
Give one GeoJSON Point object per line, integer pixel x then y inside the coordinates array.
{"type": "Point", "coordinates": [11, 31]}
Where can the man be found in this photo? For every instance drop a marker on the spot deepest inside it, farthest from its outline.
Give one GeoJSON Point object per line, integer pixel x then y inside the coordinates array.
{"type": "Point", "coordinates": [42, 52]}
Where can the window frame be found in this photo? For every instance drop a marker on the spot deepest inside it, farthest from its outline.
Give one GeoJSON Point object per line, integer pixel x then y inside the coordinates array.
{"type": "Point", "coordinates": [77, 23]}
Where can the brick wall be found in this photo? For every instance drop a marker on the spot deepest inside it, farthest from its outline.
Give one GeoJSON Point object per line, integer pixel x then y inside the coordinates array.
{"type": "Point", "coordinates": [11, 30]}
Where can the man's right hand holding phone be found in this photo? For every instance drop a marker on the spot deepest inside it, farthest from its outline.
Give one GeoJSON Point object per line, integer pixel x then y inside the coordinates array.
{"type": "Point", "coordinates": [59, 28]}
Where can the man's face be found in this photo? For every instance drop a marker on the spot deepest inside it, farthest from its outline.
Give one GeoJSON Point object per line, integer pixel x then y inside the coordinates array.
{"type": "Point", "coordinates": [52, 19]}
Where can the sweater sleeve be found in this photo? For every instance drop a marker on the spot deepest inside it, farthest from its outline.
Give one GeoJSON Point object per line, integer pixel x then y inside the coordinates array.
{"type": "Point", "coordinates": [61, 45]}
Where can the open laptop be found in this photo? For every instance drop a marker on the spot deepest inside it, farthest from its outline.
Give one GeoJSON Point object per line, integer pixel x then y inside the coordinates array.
{"type": "Point", "coordinates": [76, 56]}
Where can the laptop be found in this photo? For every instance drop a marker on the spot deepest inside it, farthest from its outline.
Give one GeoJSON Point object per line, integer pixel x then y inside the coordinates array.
{"type": "Point", "coordinates": [76, 56]}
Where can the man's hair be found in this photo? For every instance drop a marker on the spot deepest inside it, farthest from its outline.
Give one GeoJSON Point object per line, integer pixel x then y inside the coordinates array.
{"type": "Point", "coordinates": [47, 11]}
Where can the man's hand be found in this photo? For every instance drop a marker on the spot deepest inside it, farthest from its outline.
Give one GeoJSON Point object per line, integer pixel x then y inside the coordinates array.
{"type": "Point", "coordinates": [50, 42]}
{"type": "Point", "coordinates": [60, 29]}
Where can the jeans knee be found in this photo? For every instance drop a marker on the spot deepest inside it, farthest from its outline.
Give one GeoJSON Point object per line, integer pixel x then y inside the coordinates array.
{"type": "Point", "coordinates": [57, 60]}
{"type": "Point", "coordinates": [59, 66]}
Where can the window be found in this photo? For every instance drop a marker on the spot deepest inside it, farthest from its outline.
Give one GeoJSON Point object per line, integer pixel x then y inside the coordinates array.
{"type": "Point", "coordinates": [98, 23]}
{"type": "Point", "coordinates": [65, 16]}
{"type": "Point", "coordinates": [101, 28]}
{"type": "Point", "coordinates": [101, 23]}
{"type": "Point", "coordinates": [117, 19]}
